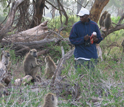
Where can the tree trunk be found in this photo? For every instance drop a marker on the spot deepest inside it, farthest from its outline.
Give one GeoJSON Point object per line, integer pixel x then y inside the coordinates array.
{"type": "Point", "coordinates": [53, 9]}
{"type": "Point", "coordinates": [62, 11]}
{"type": "Point", "coordinates": [95, 14]}
{"type": "Point", "coordinates": [38, 12]}
{"type": "Point", "coordinates": [10, 19]}
{"type": "Point", "coordinates": [34, 34]}
{"type": "Point", "coordinates": [97, 9]}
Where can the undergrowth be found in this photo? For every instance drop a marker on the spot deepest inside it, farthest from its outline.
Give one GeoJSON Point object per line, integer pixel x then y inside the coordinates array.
{"type": "Point", "coordinates": [104, 87]}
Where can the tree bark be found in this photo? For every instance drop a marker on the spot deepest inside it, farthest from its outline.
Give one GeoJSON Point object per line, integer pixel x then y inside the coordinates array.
{"type": "Point", "coordinates": [10, 19]}
{"type": "Point", "coordinates": [60, 65]}
{"type": "Point", "coordinates": [62, 10]}
{"type": "Point", "coordinates": [53, 9]}
{"type": "Point", "coordinates": [34, 34]}
{"type": "Point", "coordinates": [38, 12]}
{"type": "Point", "coordinates": [97, 9]}
{"type": "Point", "coordinates": [117, 27]}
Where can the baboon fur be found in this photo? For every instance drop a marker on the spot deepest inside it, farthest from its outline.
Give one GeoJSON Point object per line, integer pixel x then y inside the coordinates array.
{"type": "Point", "coordinates": [107, 22]}
{"type": "Point", "coordinates": [31, 67]}
{"type": "Point", "coordinates": [102, 18]}
{"type": "Point", "coordinates": [5, 57]}
{"type": "Point", "coordinates": [50, 100]}
{"type": "Point", "coordinates": [50, 67]}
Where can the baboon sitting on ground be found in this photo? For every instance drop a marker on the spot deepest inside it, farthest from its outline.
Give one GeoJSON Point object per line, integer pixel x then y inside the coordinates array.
{"type": "Point", "coordinates": [31, 67]}
{"type": "Point", "coordinates": [50, 67]}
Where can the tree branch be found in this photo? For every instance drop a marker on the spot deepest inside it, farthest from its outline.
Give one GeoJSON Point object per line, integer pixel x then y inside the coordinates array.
{"type": "Point", "coordinates": [52, 5]}
{"type": "Point", "coordinates": [10, 19]}
{"type": "Point", "coordinates": [60, 65]}
{"type": "Point", "coordinates": [64, 12]}
{"type": "Point", "coordinates": [118, 26]}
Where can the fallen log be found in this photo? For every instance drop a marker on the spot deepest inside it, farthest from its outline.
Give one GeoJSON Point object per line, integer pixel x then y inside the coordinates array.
{"type": "Point", "coordinates": [34, 34]}
{"type": "Point", "coordinates": [10, 19]}
{"type": "Point", "coordinates": [21, 48]}
{"type": "Point", "coordinates": [23, 81]}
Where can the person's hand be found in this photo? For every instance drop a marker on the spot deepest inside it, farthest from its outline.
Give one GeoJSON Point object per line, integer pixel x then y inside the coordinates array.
{"type": "Point", "coordinates": [95, 39]}
{"type": "Point", "coordinates": [86, 37]}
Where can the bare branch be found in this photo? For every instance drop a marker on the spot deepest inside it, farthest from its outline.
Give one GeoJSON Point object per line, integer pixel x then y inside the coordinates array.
{"type": "Point", "coordinates": [60, 65]}
{"type": "Point", "coordinates": [10, 19]}
{"type": "Point", "coordinates": [35, 44]}
{"type": "Point", "coordinates": [64, 12]}
{"type": "Point", "coordinates": [63, 53]}
{"type": "Point", "coordinates": [86, 4]}
{"type": "Point", "coordinates": [118, 26]}
{"type": "Point", "coordinates": [52, 5]}
{"type": "Point", "coordinates": [122, 17]}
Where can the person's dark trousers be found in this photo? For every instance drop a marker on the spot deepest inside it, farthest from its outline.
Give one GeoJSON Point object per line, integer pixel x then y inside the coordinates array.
{"type": "Point", "coordinates": [88, 64]}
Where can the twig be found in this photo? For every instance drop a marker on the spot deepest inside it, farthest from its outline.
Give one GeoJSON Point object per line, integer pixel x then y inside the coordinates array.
{"type": "Point", "coordinates": [63, 53]}
{"type": "Point", "coordinates": [60, 65]}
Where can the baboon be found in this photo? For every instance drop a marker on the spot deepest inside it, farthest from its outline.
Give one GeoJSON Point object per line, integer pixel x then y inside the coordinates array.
{"type": "Point", "coordinates": [5, 57]}
{"type": "Point", "coordinates": [31, 67]}
{"type": "Point", "coordinates": [102, 18]}
{"type": "Point", "coordinates": [50, 67]}
{"type": "Point", "coordinates": [50, 100]}
{"type": "Point", "coordinates": [107, 22]}
{"type": "Point", "coordinates": [4, 63]}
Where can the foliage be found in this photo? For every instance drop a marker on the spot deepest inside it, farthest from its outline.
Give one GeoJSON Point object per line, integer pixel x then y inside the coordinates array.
{"type": "Point", "coordinates": [115, 19]}
{"type": "Point", "coordinates": [55, 50]}
{"type": "Point", "coordinates": [56, 24]}
{"type": "Point", "coordinates": [3, 9]}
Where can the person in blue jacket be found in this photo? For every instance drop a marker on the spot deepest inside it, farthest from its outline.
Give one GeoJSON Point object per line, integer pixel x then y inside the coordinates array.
{"type": "Point", "coordinates": [80, 37]}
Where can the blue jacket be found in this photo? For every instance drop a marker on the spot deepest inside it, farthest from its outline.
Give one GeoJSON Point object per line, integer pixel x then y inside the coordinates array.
{"type": "Point", "coordinates": [78, 31]}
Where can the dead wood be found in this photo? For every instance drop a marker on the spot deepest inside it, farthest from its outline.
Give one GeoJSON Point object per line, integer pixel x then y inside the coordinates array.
{"type": "Point", "coordinates": [60, 6]}
{"type": "Point", "coordinates": [43, 52]}
{"type": "Point", "coordinates": [38, 6]}
{"type": "Point", "coordinates": [23, 81]}
{"type": "Point", "coordinates": [65, 88]}
{"type": "Point", "coordinates": [10, 19]}
{"type": "Point", "coordinates": [37, 44]}
{"type": "Point", "coordinates": [62, 61]}
{"type": "Point", "coordinates": [34, 34]}
{"type": "Point", "coordinates": [60, 65]}
{"type": "Point", "coordinates": [99, 50]}
{"type": "Point", "coordinates": [23, 47]}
